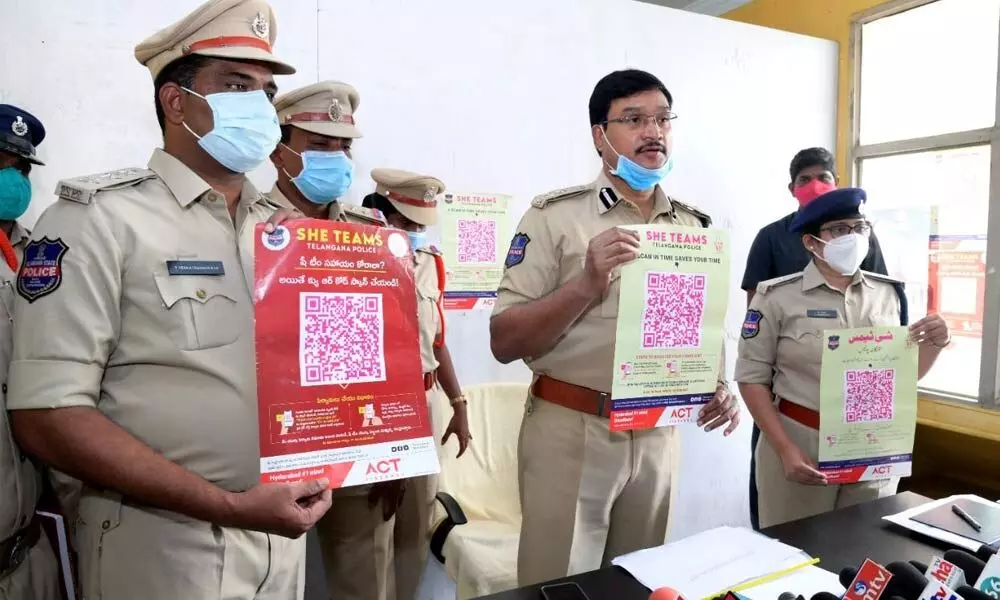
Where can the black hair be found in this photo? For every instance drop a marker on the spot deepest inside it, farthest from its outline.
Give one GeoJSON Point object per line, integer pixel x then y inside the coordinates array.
{"type": "Point", "coordinates": [380, 203]}
{"type": "Point", "coordinates": [23, 165]}
{"type": "Point", "coordinates": [181, 72]}
{"type": "Point", "coordinates": [286, 134]}
{"type": "Point", "coordinates": [622, 84]}
{"type": "Point", "coordinates": [812, 157]}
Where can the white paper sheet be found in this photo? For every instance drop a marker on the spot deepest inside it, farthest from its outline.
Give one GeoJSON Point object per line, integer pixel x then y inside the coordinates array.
{"type": "Point", "coordinates": [807, 582]}
{"type": "Point", "coordinates": [710, 562]}
{"type": "Point", "coordinates": [905, 519]}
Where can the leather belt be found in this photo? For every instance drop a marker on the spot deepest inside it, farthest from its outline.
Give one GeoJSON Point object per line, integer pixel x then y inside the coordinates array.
{"type": "Point", "coordinates": [430, 380]}
{"type": "Point", "coordinates": [572, 396]}
{"type": "Point", "coordinates": [798, 413]}
{"type": "Point", "coordinates": [14, 549]}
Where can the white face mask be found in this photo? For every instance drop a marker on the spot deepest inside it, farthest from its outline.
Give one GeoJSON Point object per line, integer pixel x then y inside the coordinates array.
{"type": "Point", "coordinates": [845, 254]}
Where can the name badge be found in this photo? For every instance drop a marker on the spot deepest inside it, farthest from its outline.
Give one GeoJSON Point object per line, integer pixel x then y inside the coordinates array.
{"type": "Point", "coordinates": [195, 267]}
{"type": "Point", "coordinates": [822, 313]}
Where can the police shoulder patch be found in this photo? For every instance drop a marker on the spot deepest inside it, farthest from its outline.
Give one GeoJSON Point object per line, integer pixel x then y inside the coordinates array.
{"type": "Point", "coordinates": [706, 220]}
{"type": "Point", "coordinates": [766, 286]}
{"type": "Point", "coordinates": [751, 324]}
{"type": "Point", "coordinates": [518, 248]}
{"type": "Point", "coordinates": [560, 194]}
{"type": "Point", "coordinates": [363, 215]}
{"type": "Point", "coordinates": [83, 189]}
{"type": "Point", "coordinates": [41, 270]}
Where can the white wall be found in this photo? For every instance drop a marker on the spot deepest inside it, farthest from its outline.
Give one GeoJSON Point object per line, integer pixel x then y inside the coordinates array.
{"type": "Point", "coordinates": [489, 96]}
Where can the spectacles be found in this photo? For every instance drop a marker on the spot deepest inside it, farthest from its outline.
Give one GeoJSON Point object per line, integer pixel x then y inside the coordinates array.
{"type": "Point", "coordinates": [636, 122]}
{"type": "Point", "coordinates": [841, 229]}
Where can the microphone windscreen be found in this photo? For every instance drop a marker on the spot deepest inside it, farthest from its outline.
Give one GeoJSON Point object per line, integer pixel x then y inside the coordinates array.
{"type": "Point", "coordinates": [919, 566]}
{"type": "Point", "coordinates": [787, 596]}
{"type": "Point", "coordinates": [972, 566]}
{"type": "Point", "coordinates": [970, 593]}
{"type": "Point", "coordinates": [825, 596]}
{"type": "Point", "coordinates": [847, 575]}
{"type": "Point", "coordinates": [665, 593]}
{"type": "Point", "coordinates": [985, 552]}
{"type": "Point", "coordinates": [906, 581]}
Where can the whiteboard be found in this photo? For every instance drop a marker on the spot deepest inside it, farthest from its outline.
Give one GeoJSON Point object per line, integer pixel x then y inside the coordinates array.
{"type": "Point", "coordinates": [488, 96]}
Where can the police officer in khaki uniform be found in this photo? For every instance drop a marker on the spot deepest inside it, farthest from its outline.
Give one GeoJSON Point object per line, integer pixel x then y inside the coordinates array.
{"type": "Point", "coordinates": [780, 352]}
{"type": "Point", "coordinates": [409, 202]}
{"type": "Point", "coordinates": [588, 494]}
{"type": "Point", "coordinates": [313, 159]}
{"type": "Point", "coordinates": [135, 370]}
{"type": "Point", "coordinates": [28, 567]}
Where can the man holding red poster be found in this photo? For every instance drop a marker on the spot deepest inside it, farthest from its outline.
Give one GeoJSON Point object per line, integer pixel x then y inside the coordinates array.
{"type": "Point", "coordinates": [340, 383]}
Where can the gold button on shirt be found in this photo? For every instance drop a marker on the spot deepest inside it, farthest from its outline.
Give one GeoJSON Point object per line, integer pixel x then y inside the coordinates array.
{"type": "Point", "coordinates": [558, 232]}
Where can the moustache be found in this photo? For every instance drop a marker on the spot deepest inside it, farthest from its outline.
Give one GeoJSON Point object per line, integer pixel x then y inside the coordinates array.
{"type": "Point", "coordinates": [659, 147]}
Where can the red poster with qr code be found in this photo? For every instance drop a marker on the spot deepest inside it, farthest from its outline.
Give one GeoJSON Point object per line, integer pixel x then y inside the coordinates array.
{"type": "Point", "coordinates": [339, 380]}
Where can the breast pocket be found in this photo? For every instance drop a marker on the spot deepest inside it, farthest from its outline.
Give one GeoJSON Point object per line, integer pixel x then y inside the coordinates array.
{"type": "Point", "coordinates": [201, 312]}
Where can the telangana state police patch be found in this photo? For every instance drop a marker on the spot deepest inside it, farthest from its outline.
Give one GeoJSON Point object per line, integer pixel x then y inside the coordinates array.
{"type": "Point", "coordinates": [41, 270]}
{"type": "Point", "coordinates": [751, 325]}
{"type": "Point", "coordinates": [518, 247]}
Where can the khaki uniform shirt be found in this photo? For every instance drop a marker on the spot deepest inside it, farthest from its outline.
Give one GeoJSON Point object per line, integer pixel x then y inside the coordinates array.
{"type": "Point", "coordinates": [556, 231]}
{"type": "Point", "coordinates": [792, 312]}
{"type": "Point", "coordinates": [129, 328]}
{"type": "Point", "coordinates": [20, 483]}
{"type": "Point", "coordinates": [336, 211]}
{"type": "Point", "coordinates": [428, 314]}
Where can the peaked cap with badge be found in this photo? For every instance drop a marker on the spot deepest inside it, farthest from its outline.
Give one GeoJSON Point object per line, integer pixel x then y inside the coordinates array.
{"type": "Point", "coordinates": [326, 108]}
{"type": "Point", "coordinates": [20, 133]}
{"type": "Point", "coordinates": [225, 29]}
{"type": "Point", "coordinates": [413, 195]}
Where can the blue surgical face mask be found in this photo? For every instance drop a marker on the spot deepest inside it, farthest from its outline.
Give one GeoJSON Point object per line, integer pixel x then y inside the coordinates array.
{"type": "Point", "coordinates": [244, 131]}
{"type": "Point", "coordinates": [325, 176]}
{"type": "Point", "coordinates": [638, 177]}
{"type": "Point", "coordinates": [15, 194]}
{"type": "Point", "coordinates": [418, 239]}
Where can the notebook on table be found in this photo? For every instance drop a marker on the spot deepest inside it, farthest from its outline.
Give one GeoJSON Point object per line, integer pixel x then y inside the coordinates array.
{"type": "Point", "coordinates": [944, 518]}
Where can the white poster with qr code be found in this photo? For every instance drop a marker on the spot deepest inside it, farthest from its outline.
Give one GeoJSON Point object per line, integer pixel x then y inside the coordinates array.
{"type": "Point", "coordinates": [868, 403]}
{"type": "Point", "coordinates": [475, 230]}
{"type": "Point", "coordinates": [341, 392]}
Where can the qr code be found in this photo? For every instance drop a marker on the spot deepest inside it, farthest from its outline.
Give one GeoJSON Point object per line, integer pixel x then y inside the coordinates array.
{"type": "Point", "coordinates": [341, 338]}
{"type": "Point", "coordinates": [477, 241]}
{"type": "Point", "coordinates": [675, 307]}
{"type": "Point", "coordinates": [868, 395]}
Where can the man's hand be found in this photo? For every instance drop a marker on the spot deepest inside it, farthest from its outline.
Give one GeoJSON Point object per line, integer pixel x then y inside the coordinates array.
{"type": "Point", "coordinates": [606, 251]}
{"type": "Point", "coordinates": [288, 509]}
{"type": "Point", "coordinates": [459, 426]}
{"type": "Point", "coordinates": [931, 330]}
{"type": "Point", "coordinates": [390, 494]}
{"type": "Point", "coordinates": [800, 468]}
{"type": "Point", "coordinates": [721, 410]}
{"type": "Point", "coordinates": [281, 215]}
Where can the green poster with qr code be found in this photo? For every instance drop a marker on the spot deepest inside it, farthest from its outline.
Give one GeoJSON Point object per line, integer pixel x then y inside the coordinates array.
{"type": "Point", "coordinates": [868, 403]}
{"type": "Point", "coordinates": [475, 232]}
{"type": "Point", "coordinates": [670, 332]}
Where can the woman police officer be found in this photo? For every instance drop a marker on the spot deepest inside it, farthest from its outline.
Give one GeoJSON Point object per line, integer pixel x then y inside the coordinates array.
{"type": "Point", "coordinates": [408, 201]}
{"type": "Point", "coordinates": [778, 367]}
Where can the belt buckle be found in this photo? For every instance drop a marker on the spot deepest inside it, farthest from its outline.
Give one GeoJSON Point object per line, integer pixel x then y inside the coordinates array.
{"type": "Point", "coordinates": [603, 401]}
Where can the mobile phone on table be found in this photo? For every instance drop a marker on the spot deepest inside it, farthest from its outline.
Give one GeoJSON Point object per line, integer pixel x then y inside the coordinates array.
{"type": "Point", "coordinates": [563, 591]}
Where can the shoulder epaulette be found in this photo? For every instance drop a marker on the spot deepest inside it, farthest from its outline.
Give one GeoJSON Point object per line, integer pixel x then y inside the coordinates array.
{"type": "Point", "coordinates": [766, 286]}
{"type": "Point", "coordinates": [361, 214]}
{"type": "Point", "coordinates": [83, 189]}
{"type": "Point", "coordinates": [881, 277]}
{"type": "Point", "coordinates": [560, 194]}
{"type": "Point", "coordinates": [703, 217]}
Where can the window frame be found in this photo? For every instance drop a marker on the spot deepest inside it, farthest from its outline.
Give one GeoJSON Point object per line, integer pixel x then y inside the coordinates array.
{"type": "Point", "coordinates": [857, 153]}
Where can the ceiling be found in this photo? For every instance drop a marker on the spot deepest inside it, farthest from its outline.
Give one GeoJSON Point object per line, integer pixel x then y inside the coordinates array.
{"type": "Point", "coordinates": [705, 7]}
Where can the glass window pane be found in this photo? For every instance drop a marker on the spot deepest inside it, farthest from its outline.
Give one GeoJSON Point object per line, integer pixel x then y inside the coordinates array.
{"type": "Point", "coordinates": [930, 212]}
{"type": "Point", "coordinates": [929, 70]}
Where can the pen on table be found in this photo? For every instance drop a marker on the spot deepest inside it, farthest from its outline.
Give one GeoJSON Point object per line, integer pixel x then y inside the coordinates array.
{"type": "Point", "coordinates": [958, 510]}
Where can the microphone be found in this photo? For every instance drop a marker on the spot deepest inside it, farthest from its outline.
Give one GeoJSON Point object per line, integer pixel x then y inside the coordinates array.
{"type": "Point", "coordinates": [869, 582]}
{"type": "Point", "coordinates": [946, 572]}
{"type": "Point", "coordinates": [985, 552]}
{"type": "Point", "coordinates": [824, 596]}
{"type": "Point", "coordinates": [935, 590]}
{"type": "Point", "coordinates": [988, 581]}
{"type": "Point", "coordinates": [971, 593]}
{"type": "Point", "coordinates": [970, 565]}
{"type": "Point", "coordinates": [919, 566]}
{"type": "Point", "coordinates": [847, 575]}
{"type": "Point", "coordinates": [907, 581]}
{"type": "Point", "coordinates": [665, 593]}
{"type": "Point", "coordinates": [790, 596]}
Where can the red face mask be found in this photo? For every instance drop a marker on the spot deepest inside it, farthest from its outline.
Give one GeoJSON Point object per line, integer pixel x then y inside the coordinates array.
{"type": "Point", "coordinates": [808, 192]}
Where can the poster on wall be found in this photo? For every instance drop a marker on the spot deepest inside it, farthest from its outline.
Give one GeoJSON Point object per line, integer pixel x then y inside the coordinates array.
{"type": "Point", "coordinates": [339, 381]}
{"type": "Point", "coordinates": [868, 404]}
{"type": "Point", "coordinates": [671, 323]}
{"type": "Point", "coordinates": [957, 282]}
{"type": "Point", "coordinates": [475, 230]}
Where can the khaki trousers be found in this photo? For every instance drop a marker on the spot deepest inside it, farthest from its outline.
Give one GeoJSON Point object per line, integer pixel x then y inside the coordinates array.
{"type": "Point", "coordinates": [588, 495]}
{"type": "Point", "coordinates": [129, 552]}
{"type": "Point", "coordinates": [357, 548]}
{"type": "Point", "coordinates": [780, 501]}
{"type": "Point", "coordinates": [37, 578]}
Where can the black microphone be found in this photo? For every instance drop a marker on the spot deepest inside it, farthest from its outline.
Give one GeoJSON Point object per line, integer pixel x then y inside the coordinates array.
{"type": "Point", "coordinates": [847, 575]}
{"type": "Point", "coordinates": [825, 596]}
{"type": "Point", "coordinates": [986, 551]}
{"type": "Point", "coordinates": [919, 566]}
{"type": "Point", "coordinates": [970, 565]}
{"type": "Point", "coordinates": [906, 581]}
{"type": "Point", "coordinates": [790, 596]}
{"type": "Point", "coordinates": [970, 593]}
